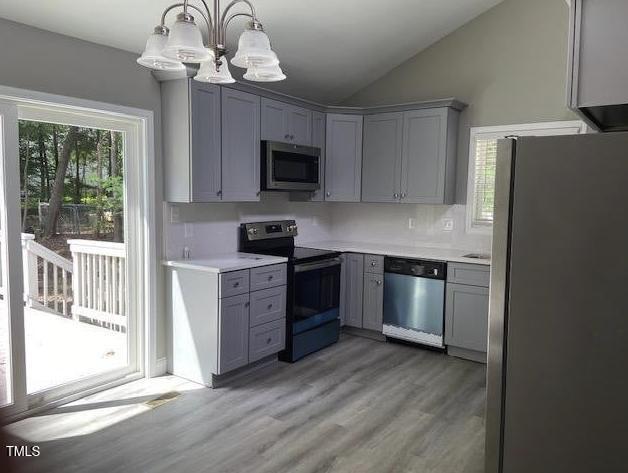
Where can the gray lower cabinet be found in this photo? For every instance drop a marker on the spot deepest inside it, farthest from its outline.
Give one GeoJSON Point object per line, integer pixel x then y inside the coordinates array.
{"type": "Point", "coordinates": [286, 123]}
{"type": "Point", "coordinates": [373, 306]}
{"type": "Point", "coordinates": [240, 146]}
{"type": "Point", "coordinates": [192, 141]}
{"type": "Point", "coordinates": [466, 317]}
{"type": "Point", "coordinates": [352, 289]}
{"type": "Point", "coordinates": [343, 158]}
{"type": "Point", "coordinates": [233, 329]}
{"type": "Point", "coordinates": [410, 157]}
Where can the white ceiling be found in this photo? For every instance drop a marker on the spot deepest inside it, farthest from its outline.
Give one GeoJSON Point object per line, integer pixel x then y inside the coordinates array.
{"type": "Point", "coordinates": [328, 48]}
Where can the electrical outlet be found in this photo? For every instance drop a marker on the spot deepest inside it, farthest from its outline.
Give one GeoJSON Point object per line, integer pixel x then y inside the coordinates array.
{"type": "Point", "coordinates": [411, 223]}
{"type": "Point", "coordinates": [174, 214]}
{"type": "Point", "coordinates": [448, 224]}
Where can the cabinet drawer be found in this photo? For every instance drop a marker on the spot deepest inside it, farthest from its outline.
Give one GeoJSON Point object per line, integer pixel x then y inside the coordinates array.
{"type": "Point", "coordinates": [267, 339]}
{"type": "Point", "coordinates": [374, 264]}
{"type": "Point", "coordinates": [268, 276]}
{"type": "Point", "coordinates": [471, 274]}
{"type": "Point", "coordinates": [234, 283]}
{"type": "Point", "coordinates": [268, 305]}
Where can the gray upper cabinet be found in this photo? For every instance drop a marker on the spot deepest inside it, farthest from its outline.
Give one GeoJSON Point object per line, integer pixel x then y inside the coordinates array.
{"type": "Point", "coordinates": [192, 141]}
{"type": "Point", "coordinates": [381, 160]}
{"type": "Point", "coordinates": [598, 71]}
{"type": "Point", "coordinates": [286, 123]}
{"type": "Point", "coordinates": [343, 158]}
{"type": "Point", "coordinates": [352, 289]}
{"type": "Point", "coordinates": [373, 306]}
{"type": "Point", "coordinates": [410, 157]}
{"type": "Point", "coordinates": [318, 141]}
{"type": "Point", "coordinates": [428, 169]}
{"type": "Point", "coordinates": [240, 146]}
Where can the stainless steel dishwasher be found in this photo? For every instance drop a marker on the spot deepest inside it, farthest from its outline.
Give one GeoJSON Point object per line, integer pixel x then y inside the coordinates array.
{"type": "Point", "coordinates": [414, 300]}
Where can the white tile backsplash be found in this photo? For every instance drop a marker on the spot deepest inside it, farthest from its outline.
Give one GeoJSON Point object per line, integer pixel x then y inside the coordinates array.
{"type": "Point", "coordinates": [211, 229]}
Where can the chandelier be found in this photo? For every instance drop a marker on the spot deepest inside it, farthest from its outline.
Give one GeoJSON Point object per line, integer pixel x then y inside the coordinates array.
{"type": "Point", "coordinates": [167, 49]}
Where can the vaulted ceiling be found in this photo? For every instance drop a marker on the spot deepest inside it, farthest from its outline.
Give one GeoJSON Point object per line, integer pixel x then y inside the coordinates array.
{"type": "Point", "coordinates": [329, 49]}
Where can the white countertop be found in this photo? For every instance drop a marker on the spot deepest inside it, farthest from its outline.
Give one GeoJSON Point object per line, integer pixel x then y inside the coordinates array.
{"type": "Point", "coordinates": [227, 262]}
{"type": "Point", "coordinates": [438, 254]}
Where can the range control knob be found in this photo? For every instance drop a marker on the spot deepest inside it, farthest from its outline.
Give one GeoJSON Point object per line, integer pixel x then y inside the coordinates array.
{"type": "Point", "coordinates": [252, 231]}
{"type": "Point", "coordinates": [292, 228]}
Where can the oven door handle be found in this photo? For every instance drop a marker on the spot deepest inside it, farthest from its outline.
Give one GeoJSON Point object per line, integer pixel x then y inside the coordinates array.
{"type": "Point", "coordinates": [300, 268]}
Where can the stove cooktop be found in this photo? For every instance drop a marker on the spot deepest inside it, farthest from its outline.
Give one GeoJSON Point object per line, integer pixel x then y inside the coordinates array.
{"type": "Point", "coordinates": [300, 255]}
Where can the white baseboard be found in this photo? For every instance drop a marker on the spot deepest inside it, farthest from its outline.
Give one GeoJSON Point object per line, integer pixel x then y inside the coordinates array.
{"type": "Point", "coordinates": [160, 368]}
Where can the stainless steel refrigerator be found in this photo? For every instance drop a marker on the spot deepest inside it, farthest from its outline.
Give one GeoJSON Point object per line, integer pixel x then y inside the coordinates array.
{"type": "Point", "coordinates": [557, 397]}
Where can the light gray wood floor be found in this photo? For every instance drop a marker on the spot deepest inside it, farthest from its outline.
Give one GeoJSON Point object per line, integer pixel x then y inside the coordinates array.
{"type": "Point", "coordinates": [359, 406]}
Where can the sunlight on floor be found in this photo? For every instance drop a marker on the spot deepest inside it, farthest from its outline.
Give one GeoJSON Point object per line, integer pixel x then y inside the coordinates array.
{"type": "Point", "coordinates": [101, 410]}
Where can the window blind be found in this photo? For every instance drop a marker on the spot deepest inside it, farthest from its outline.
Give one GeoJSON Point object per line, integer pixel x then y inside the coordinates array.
{"type": "Point", "coordinates": [484, 181]}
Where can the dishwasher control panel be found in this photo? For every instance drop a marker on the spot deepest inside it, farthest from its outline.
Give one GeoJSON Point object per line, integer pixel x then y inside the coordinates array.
{"type": "Point", "coordinates": [418, 268]}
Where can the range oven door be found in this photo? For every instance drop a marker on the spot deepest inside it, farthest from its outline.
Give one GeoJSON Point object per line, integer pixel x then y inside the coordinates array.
{"type": "Point", "coordinates": [288, 167]}
{"type": "Point", "coordinates": [316, 294]}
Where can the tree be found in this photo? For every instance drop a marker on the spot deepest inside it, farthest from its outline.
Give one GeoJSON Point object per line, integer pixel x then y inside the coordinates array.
{"type": "Point", "coordinates": [56, 197]}
{"type": "Point", "coordinates": [114, 173]}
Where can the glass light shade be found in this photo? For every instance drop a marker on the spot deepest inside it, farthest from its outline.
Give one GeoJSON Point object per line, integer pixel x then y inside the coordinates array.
{"type": "Point", "coordinates": [254, 50]}
{"type": "Point", "coordinates": [265, 74]}
{"type": "Point", "coordinates": [185, 43]}
{"type": "Point", "coordinates": [208, 73]}
{"type": "Point", "coordinates": [154, 59]}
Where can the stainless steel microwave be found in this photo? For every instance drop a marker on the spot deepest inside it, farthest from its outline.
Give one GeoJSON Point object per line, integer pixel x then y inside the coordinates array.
{"type": "Point", "coordinates": [287, 167]}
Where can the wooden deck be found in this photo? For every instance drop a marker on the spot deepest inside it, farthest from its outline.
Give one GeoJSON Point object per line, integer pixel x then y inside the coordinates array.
{"type": "Point", "coordinates": [59, 350]}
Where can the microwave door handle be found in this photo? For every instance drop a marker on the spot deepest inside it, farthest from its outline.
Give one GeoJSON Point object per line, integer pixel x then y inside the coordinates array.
{"type": "Point", "coordinates": [300, 268]}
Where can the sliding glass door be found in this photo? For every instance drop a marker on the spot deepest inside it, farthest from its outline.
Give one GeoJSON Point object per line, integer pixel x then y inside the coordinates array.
{"type": "Point", "coordinates": [71, 294]}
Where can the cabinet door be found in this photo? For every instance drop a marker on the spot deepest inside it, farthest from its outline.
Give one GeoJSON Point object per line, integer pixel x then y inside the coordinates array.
{"type": "Point", "coordinates": [205, 169]}
{"type": "Point", "coordinates": [424, 157]}
{"type": "Point", "coordinates": [274, 121]}
{"type": "Point", "coordinates": [240, 146]}
{"type": "Point", "coordinates": [343, 160]}
{"type": "Point", "coordinates": [373, 309]}
{"type": "Point", "coordinates": [233, 329]}
{"type": "Point", "coordinates": [300, 126]}
{"type": "Point", "coordinates": [381, 161]}
{"type": "Point", "coordinates": [353, 289]}
{"type": "Point", "coordinates": [318, 141]}
{"type": "Point", "coordinates": [466, 317]}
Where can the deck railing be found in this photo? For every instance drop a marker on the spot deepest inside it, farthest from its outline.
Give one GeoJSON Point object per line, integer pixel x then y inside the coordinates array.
{"type": "Point", "coordinates": [99, 286]}
{"type": "Point", "coordinates": [90, 286]}
{"type": "Point", "coordinates": [52, 291]}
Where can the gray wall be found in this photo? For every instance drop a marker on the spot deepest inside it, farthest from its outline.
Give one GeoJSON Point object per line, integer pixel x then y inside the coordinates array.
{"type": "Point", "coordinates": [509, 64]}
{"type": "Point", "coordinates": [38, 60]}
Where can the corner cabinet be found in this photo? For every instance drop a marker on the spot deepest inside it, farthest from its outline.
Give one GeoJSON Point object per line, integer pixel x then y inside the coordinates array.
{"type": "Point", "coordinates": [192, 141]}
{"type": "Point", "coordinates": [211, 138]}
{"type": "Point", "coordinates": [410, 157]}
{"type": "Point", "coordinates": [343, 159]}
{"type": "Point", "coordinates": [286, 123]}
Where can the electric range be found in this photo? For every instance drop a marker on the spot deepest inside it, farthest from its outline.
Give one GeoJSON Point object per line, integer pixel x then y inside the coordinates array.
{"type": "Point", "coordinates": [313, 286]}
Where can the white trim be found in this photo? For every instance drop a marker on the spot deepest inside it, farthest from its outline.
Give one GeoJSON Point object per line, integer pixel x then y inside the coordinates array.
{"type": "Point", "coordinates": [161, 367]}
{"type": "Point", "coordinates": [501, 131]}
{"type": "Point", "coordinates": [141, 124]}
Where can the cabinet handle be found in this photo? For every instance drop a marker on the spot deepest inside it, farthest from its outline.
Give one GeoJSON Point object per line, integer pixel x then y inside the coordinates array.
{"type": "Point", "coordinates": [268, 340]}
{"type": "Point", "coordinates": [258, 193]}
{"type": "Point", "coordinates": [287, 137]}
{"type": "Point", "coordinates": [328, 194]}
{"type": "Point", "coordinates": [379, 283]}
{"type": "Point", "coordinates": [403, 195]}
{"type": "Point", "coordinates": [395, 196]}
{"type": "Point", "coordinates": [219, 193]}
{"type": "Point", "coordinates": [270, 278]}
{"type": "Point", "coordinates": [246, 304]}
{"type": "Point", "coordinates": [270, 306]}
{"type": "Point", "coordinates": [373, 263]}
{"type": "Point", "coordinates": [236, 284]}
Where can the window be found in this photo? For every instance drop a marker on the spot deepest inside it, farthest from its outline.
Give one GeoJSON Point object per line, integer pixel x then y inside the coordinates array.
{"type": "Point", "coordinates": [483, 160]}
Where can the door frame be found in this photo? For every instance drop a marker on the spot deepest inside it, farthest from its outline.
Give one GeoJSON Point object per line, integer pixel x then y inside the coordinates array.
{"type": "Point", "coordinates": [138, 126]}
